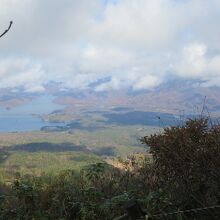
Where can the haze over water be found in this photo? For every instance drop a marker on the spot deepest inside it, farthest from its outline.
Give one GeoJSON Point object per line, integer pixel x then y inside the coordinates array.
{"type": "Point", "coordinates": [22, 118]}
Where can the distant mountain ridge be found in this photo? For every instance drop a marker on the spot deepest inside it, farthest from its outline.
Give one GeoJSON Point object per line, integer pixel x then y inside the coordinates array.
{"type": "Point", "coordinates": [170, 97]}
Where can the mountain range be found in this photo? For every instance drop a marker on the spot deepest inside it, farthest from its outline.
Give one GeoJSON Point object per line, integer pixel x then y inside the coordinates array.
{"type": "Point", "coordinates": [171, 97]}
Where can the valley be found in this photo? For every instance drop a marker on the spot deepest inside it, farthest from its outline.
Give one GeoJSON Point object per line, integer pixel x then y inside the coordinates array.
{"type": "Point", "coordinates": [59, 130]}
{"type": "Point", "coordinates": [38, 153]}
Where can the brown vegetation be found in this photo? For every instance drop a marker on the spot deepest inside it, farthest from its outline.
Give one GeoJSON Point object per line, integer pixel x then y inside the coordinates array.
{"type": "Point", "coordinates": [181, 174]}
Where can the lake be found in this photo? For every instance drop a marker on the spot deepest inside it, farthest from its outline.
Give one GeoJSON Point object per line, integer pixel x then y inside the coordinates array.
{"type": "Point", "coordinates": [141, 118]}
{"type": "Point", "coordinates": [21, 118]}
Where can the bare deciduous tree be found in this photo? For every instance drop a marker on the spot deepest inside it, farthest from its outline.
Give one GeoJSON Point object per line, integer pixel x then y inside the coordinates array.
{"type": "Point", "coordinates": [9, 27]}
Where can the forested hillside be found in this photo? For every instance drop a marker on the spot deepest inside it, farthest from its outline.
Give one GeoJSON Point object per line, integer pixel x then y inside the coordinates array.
{"type": "Point", "coordinates": [180, 172]}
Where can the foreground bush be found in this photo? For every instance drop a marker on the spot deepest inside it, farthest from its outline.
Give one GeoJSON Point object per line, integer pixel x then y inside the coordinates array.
{"type": "Point", "coordinates": [97, 192]}
{"type": "Point", "coordinates": [186, 163]}
{"type": "Point", "coordinates": [181, 172]}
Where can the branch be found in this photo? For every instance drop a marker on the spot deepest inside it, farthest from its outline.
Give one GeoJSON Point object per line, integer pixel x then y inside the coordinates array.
{"type": "Point", "coordinates": [9, 27]}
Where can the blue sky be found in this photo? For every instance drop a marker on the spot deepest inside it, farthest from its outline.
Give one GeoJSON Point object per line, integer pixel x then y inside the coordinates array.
{"type": "Point", "coordinates": [105, 2]}
{"type": "Point", "coordinates": [137, 44]}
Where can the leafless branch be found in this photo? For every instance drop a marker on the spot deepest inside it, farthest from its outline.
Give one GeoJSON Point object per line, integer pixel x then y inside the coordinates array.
{"type": "Point", "coordinates": [9, 27]}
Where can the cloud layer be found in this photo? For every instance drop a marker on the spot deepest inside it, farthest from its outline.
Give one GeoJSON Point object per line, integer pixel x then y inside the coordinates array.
{"type": "Point", "coordinates": [133, 43]}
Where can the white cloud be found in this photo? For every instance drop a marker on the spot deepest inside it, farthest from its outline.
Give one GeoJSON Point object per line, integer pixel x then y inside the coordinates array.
{"type": "Point", "coordinates": [135, 43]}
{"type": "Point", "coordinates": [192, 63]}
{"type": "Point", "coordinates": [21, 73]}
{"type": "Point", "coordinates": [114, 84]}
{"type": "Point", "coordinates": [147, 82]}
{"type": "Point", "coordinates": [152, 24]}
{"type": "Point", "coordinates": [196, 63]}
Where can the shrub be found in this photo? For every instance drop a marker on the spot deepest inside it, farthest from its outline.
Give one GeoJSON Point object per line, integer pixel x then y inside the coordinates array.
{"type": "Point", "coordinates": [181, 172]}
{"type": "Point", "coordinates": [186, 162]}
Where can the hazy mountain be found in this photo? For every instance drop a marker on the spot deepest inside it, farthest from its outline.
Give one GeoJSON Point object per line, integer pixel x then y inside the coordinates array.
{"type": "Point", "coordinates": [171, 97]}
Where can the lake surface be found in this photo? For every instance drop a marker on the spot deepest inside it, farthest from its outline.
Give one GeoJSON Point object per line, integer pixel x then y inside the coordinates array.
{"type": "Point", "coordinates": [21, 118]}
{"type": "Point", "coordinates": [141, 118]}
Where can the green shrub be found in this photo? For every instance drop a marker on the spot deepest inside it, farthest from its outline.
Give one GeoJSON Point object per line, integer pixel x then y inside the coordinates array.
{"type": "Point", "coordinates": [181, 172]}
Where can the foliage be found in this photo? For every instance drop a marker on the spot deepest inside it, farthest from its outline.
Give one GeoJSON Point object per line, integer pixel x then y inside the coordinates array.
{"type": "Point", "coordinates": [186, 161]}
{"type": "Point", "coordinates": [96, 192]}
{"type": "Point", "coordinates": [181, 172]}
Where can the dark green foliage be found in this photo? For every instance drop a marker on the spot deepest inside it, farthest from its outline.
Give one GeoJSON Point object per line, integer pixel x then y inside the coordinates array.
{"type": "Point", "coordinates": [181, 172]}
{"type": "Point", "coordinates": [186, 161]}
{"type": "Point", "coordinates": [97, 192]}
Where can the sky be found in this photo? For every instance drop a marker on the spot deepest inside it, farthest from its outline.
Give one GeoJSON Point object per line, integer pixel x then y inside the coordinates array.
{"type": "Point", "coordinates": [138, 44]}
